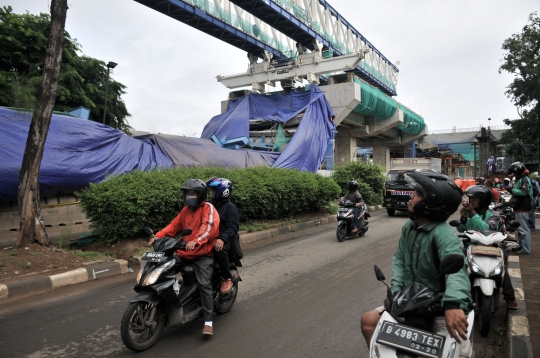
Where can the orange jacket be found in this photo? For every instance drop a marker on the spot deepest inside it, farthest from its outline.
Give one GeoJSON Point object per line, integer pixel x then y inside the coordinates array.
{"type": "Point", "coordinates": [204, 221]}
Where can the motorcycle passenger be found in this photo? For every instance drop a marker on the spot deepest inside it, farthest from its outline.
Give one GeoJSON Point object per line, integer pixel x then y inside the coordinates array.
{"type": "Point", "coordinates": [496, 197]}
{"type": "Point", "coordinates": [203, 219]}
{"type": "Point", "coordinates": [227, 244]}
{"type": "Point", "coordinates": [354, 195]}
{"type": "Point", "coordinates": [476, 215]}
{"type": "Point", "coordinates": [436, 198]}
{"type": "Point", "coordinates": [497, 183]}
{"type": "Point", "coordinates": [522, 201]}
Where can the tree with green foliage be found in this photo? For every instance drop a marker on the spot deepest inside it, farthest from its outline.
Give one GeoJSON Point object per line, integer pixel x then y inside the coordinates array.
{"type": "Point", "coordinates": [23, 40]}
{"type": "Point", "coordinates": [522, 59]}
{"type": "Point", "coordinates": [370, 178]}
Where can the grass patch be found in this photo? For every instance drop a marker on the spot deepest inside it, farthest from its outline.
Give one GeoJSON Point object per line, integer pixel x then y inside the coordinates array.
{"type": "Point", "coordinates": [13, 252]}
{"type": "Point", "coordinates": [90, 255]}
{"type": "Point", "coordinates": [2, 264]}
{"type": "Point", "coordinates": [122, 252]}
{"type": "Point", "coordinates": [26, 264]}
{"type": "Point", "coordinates": [64, 241]}
{"type": "Point", "coordinates": [37, 253]}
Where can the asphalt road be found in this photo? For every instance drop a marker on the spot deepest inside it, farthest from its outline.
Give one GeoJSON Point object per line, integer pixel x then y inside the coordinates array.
{"type": "Point", "coordinates": [298, 298]}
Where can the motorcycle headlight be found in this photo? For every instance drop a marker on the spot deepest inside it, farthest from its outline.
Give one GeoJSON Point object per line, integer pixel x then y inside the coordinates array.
{"type": "Point", "coordinates": [154, 275]}
{"type": "Point", "coordinates": [476, 269]}
{"type": "Point", "coordinates": [451, 350]}
{"type": "Point", "coordinates": [139, 274]}
{"type": "Point", "coordinates": [496, 271]}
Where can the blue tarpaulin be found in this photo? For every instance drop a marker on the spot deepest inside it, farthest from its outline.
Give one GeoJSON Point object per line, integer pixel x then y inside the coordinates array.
{"type": "Point", "coordinates": [77, 152]}
{"type": "Point", "coordinates": [306, 149]}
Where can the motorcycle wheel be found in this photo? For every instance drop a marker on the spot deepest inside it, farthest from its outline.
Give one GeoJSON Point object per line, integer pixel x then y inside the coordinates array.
{"type": "Point", "coordinates": [485, 315]}
{"type": "Point", "coordinates": [138, 334]}
{"type": "Point", "coordinates": [224, 303]}
{"type": "Point", "coordinates": [391, 212]}
{"type": "Point", "coordinates": [341, 233]}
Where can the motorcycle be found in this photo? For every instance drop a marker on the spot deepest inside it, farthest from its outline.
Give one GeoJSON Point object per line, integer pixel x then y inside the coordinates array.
{"type": "Point", "coordinates": [345, 218]}
{"type": "Point", "coordinates": [163, 301]}
{"type": "Point", "coordinates": [487, 261]}
{"type": "Point", "coordinates": [405, 328]}
{"type": "Point", "coordinates": [507, 215]}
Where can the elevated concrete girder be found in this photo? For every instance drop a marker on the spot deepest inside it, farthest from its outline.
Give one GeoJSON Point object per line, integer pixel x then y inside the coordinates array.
{"type": "Point", "coordinates": [380, 126]}
{"type": "Point", "coordinates": [343, 98]}
{"type": "Point", "coordinates": [406, 139]}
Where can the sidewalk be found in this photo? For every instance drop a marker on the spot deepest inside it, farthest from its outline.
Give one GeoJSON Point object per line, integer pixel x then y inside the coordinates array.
{"type": "Point", "coordinates": [530, 277]}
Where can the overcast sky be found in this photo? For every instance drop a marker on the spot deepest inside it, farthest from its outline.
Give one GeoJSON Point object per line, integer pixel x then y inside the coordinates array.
{"type": "Point", "coordinates": [449, 54]}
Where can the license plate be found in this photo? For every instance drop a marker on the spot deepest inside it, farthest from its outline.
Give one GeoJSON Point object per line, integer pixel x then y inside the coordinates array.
{"type": "Point", "coordinates": [422, 343]}
{"type": "Point", "coordinates": [403, 203]}
{"type": "Point", "coordinates": [152, 256]}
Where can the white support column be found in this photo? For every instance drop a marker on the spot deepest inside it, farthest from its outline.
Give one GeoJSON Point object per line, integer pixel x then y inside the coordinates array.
{"type": "Point", "coordinates": [345, 149]}
{"type": "Point", "coordinates": [381, 156]}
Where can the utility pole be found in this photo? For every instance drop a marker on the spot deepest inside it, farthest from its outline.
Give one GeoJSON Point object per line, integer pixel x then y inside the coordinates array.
{"type": "Point", "coordinates": [109, 66]}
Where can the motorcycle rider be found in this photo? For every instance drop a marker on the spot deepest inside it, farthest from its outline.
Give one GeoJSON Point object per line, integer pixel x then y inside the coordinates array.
{"type": "Point", "coordinates": [436, 198]}
{"type": "Point", "coordinates": [203, 219]}
{"type": "Point", "coordinates": [506, 185]}
{"type": "Point", "coordinates": [476, 215]}
{"type": "Point", "coordinates": [354, 195]}
{"type": "Point", "coordinates": [522, 201]}
{"type": "Point", "coordinates": [496, 197]}
{"type": "Point", "coordinates": [227, 244]}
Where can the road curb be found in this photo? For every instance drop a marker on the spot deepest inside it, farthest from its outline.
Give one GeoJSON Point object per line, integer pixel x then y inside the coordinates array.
{"type": "Point", "coordinates": [118, 267]}
{"type": "Point", "coordinates": [518, 334]}
{"type": "Point", "coordinates": [47, 283]}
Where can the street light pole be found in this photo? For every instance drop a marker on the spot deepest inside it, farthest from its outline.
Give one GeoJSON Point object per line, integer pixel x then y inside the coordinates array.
{"type": "Point", "coordinates": [538, 114]}
{"type": "Point", "coordinates": [109, 66]}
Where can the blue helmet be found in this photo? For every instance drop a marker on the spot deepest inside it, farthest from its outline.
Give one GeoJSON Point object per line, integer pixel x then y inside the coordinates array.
{"type": "Point", "coordinates": [221, 188]}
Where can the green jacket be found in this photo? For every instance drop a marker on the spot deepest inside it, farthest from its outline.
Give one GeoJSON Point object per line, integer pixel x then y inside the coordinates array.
{"type": "Point", "coordinates": [414, 261]}
{"type": "Point", "coordinates": [478, 222]}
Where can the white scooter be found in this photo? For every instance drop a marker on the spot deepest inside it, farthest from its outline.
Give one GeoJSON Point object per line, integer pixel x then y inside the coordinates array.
{"type": "Point", "coordinates": [487, 266]}
{"type": "Point", "coordinates": [405, 329]}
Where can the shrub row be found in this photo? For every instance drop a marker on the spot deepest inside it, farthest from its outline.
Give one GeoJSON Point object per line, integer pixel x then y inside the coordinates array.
{"type": "Point", "coordinates": [370, 178]}
{"type": "Point", "coordinates": [121, 206]}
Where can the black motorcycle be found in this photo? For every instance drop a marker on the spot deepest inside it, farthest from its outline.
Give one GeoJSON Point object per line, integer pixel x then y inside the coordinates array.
{"type": "Point", "coordinates": [508, 216]}
{"type": "Point", "coordinates": [345, 218]}
{"type": "Point", "coordinates": [162, 301]}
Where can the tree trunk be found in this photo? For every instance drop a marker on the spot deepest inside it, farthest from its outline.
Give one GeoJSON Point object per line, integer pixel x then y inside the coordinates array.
{"type": "Point", "coordinates": [31, 227]}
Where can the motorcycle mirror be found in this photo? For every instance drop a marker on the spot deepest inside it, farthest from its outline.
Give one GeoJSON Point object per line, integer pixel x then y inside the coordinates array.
{"type": "Point", "coordinates": [148, 231]}
{"type": "Point", "coordinates": [378, 273]}
{"type": "Point", "coordinates": [186, 232]}
{"type": "Point", "coordinates": [515, 224]}
{"type": "Point", "coordinates": [454, 223]}
{"type": "Point", "coordinates": [451, 263]}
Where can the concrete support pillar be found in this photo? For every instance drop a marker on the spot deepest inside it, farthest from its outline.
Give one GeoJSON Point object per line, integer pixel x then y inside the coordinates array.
{"type": "Point", "coordinates": [381, 156]}
{"type": "Point", "coordinates": [345, 151]}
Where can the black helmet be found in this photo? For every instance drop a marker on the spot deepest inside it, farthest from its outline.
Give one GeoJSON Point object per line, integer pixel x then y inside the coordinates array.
{"type": "Point", "coordinates": [352, 185]}
{"type": "Point", "coordinates": [482, 192]}
{"type": "Point", "coordinates": [196, 185]}
{"type": "Point", "coordinates": [441, 195]}
{"type": "Point", "coordinates": [516, 168]}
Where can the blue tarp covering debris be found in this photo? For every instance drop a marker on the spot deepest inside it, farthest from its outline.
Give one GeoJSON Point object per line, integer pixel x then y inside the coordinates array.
{"type": "Point", "coordinates": [79, 152]}
{"type": "Point", "coordinates": [306, 149]}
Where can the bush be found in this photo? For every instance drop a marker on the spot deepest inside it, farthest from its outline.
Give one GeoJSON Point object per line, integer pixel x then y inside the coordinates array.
{"type": "Point", "coordinates": [121, 206]}
{"type": "Point", "coordinates": [370, 178]}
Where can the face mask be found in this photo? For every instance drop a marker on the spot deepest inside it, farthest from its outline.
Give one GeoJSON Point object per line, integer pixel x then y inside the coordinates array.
{"type": "Point", "coordinates": [191, 200]}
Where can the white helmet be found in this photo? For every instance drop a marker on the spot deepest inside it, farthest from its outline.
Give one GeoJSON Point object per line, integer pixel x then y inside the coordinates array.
{"type": "Point", "coordinates": [506, 179]}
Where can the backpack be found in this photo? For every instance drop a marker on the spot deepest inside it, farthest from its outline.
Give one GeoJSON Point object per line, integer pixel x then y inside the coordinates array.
{"type": "Point", "coordinates": [535, 188]}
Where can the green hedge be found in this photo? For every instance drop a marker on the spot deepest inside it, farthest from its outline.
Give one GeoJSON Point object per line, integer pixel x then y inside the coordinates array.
{"type": "Point", "coordinates": [121, 206]}
{"type": "Point", "coordinates": [370, 178]}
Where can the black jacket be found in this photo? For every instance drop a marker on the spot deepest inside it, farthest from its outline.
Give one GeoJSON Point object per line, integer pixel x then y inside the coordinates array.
{"type": "Point", "coordinates": [229, 220]}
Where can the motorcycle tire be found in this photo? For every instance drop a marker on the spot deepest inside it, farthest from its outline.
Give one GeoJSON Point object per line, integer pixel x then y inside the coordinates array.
{"type": "Point", "coordinates": [341, 233]}
{"type": "Point", "coordinates": [136, 334]}
{"type": "Point", "coordinates": [391, 212]}
{"type": "Point", "coordinates": [224, 303]}
{"type": "Point", "coordinates": [485, 315]}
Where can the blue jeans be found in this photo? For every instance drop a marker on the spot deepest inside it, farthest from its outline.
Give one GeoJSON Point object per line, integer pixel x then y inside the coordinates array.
{"type": "Point", "coordinates": [532, 219]}
{"type": "Point", "coordinates": [356, 212]}
{"type": "Point", "coordinates": [524, 233]}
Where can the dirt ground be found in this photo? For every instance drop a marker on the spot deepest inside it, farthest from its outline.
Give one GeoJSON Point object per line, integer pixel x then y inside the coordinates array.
{"type": "Point", "coordinates": [35, 260]}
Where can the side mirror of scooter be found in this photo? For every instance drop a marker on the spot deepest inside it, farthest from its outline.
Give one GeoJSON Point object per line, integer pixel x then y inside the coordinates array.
{"type": "Point", "coordinates": [378, 273]}
{"type": "Point", "coordinates": [451, 264]}
{"type": "Point", "coordinates": [185, 232]}
{"type": "Point", "coordinates": [454, 223]}
{"type": "Point", "coordinates": [148, 231]}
